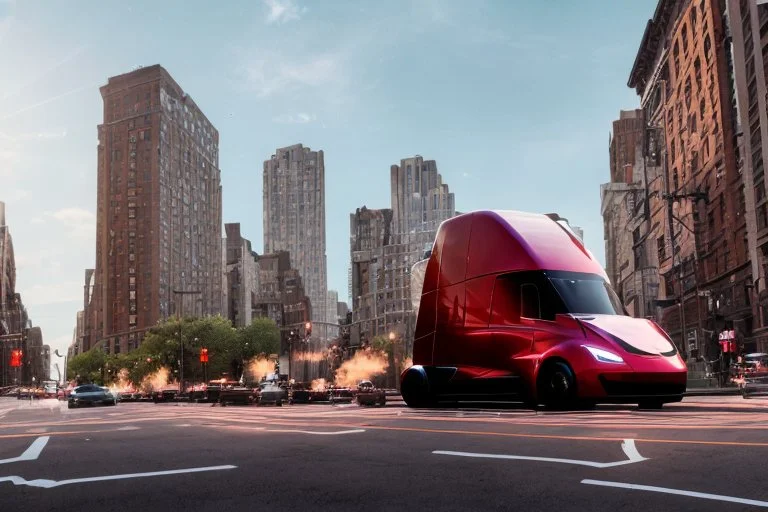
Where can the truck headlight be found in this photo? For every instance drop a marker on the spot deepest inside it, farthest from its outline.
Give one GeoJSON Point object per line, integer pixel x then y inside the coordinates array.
{"type": "Point", "coordinates": [604, 356]}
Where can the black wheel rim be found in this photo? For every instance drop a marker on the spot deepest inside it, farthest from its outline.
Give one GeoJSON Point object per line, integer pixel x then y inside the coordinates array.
{"type": "Point", "coordinates": [559, 385]}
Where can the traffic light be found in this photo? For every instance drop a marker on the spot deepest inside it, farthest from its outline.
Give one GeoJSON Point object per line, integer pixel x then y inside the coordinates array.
{"type": "Point", "coordinates": [203, 355]}
{"type": "Point", "coordinates": [308, 328]}
{"type": "Point", "coordinates": [16, 356]}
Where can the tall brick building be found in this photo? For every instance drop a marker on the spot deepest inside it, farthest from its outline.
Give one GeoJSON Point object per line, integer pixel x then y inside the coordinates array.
{"type": "Point", "coordinates": [14, 322]}
{"type": "Point", "coordinates": [683, 75]}
{"type": "Point", "coordinates": [749, 31]}
{"type": "Point", "coordinates": [294, 217]}
{"type": "Point", "coordinates": [159, 210]}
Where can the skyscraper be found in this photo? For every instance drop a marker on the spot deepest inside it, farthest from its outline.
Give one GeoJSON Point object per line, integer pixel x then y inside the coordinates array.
{"type": "Point", "coordinates": [294, 217]}
{"type": "Point", "coordinates": [241, 277]}
{"type": "Point", "coordinates": [159, 210]}
{"type": "Point", "coordinates": [384, 246]}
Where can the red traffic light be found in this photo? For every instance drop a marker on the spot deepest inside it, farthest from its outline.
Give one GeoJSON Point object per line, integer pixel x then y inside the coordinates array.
{"type": "Point", "coordinates": [203, 355]}
{"type": "Point", "coordinates": [16, 356]}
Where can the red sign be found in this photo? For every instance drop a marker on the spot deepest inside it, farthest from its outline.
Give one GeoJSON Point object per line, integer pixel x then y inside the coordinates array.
{"type": "Point", "coordinates": [16, 356]}
{"type": "Point", "coordinates": [203, 355]}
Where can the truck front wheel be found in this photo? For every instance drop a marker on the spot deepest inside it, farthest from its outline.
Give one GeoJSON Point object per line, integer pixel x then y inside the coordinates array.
{"type": "Point", "coordinates": [556, 385]}
{"type": "Point", "coordinates": [415, 389]}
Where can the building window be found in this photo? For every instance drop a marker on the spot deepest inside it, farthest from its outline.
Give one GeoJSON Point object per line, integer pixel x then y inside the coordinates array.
{"type": "Point", "coordinates": [661, 248]}
{"type": "Point", "coordinates": [707, 48]}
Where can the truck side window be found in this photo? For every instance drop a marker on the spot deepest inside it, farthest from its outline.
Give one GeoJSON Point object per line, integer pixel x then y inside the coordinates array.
{"type": "Point", "coordinates": [539, 298]}
{"type": "Point", "coordinates": [530, 305]}
{"type": "Point", "coordinates": [505, 308]}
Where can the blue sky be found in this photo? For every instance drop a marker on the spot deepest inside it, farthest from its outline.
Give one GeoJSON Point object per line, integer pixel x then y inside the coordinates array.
{"type": "Point", "coordinates": [514, 100]}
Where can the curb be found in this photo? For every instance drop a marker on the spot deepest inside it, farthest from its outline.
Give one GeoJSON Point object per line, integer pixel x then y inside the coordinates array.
{"type": "Point", "coordinates": [713, 392]}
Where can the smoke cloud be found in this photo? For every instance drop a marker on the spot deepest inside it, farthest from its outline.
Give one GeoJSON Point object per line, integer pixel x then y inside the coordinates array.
{"type": "Point", "coordinates": [260, 367]}
{"type": "Point", "coordinates": [319, 385]}
{"type": "Point", "coordinates": [363, 366]}
{"type": "Point", "coordinates": [156, 381]}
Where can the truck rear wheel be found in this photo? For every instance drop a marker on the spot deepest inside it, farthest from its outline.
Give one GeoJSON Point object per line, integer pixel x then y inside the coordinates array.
{"type": "Point", "coordinates": [415, 389]}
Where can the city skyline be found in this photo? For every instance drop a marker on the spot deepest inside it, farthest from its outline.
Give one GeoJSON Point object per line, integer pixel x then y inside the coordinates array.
{"type": "Point", "coordinates": [264, 89]}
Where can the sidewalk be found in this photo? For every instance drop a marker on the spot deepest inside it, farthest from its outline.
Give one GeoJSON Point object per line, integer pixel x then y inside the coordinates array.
{"type": "Point", "coordinates": [729, 391]}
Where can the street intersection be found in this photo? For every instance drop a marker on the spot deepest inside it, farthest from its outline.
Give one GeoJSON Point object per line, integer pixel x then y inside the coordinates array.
{"type": "Point", "coordinates": [704, 454]}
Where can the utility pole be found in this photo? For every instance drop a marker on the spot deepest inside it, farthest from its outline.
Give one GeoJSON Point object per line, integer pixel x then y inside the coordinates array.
{"type": "Point", "coordinates": [181, 338]}
{"type": "Point", "coordinates": [671, 198]}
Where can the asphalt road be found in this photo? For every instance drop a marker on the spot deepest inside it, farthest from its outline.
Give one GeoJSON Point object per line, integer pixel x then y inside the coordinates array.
{"type": "Point", "coordinates": [190, 457]}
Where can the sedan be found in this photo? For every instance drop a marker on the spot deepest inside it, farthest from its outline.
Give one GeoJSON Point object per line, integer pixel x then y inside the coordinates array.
{"type": "Point", "coordinates": [90, 394]}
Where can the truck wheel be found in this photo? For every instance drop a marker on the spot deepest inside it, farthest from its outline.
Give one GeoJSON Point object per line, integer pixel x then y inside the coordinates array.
{"type": "Point", "coordinates": [415, 389]}
{"type": "Point", "coordinates": [556, 385]}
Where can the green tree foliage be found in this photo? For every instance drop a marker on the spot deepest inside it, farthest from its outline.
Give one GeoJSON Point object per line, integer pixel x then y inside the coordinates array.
{"type": "Point", "coordinates": [262, 337]}
{"type": "Point", "coordinates": [383, 344]}
{"type": "Point", "coordinates": [227, 348]}
{"type": "Point", "coordinates": [87, 367]}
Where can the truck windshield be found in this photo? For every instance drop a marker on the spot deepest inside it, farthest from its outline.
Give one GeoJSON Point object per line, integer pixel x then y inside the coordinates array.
{"type": "Point", "coordinates": [586, 294]}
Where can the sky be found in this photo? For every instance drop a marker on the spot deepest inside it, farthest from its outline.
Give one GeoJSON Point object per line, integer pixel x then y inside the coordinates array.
{"type": "Point", "coordinates": [513, 99]}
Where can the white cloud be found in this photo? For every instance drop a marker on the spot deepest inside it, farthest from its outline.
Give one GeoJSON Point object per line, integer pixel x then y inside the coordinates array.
{"type": "Point", "coordinates": [272, 73]}
{"type": "Point", "coordinates": [283, 11]}
{"type": "Point", "coordinates": [300, 118]}
{"type": "Point", "coordinates": [57, 293]}
{"type": "Point", "coordinates": [81, 223]}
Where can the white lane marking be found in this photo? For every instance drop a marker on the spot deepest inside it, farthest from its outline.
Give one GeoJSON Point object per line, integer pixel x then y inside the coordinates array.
{"type": "Point", "coordinates": [48, 484]}
{"type": "Point", "coordinates": [667, 490]}
{"type": "Point", "coordinates": [628, 446]}
{"type": "Point", "coordinates": [31, 453]}
{"type": "Point", "coordinates": [41, 430]}
{"type": "Point", "coordinates": [128, 427]}
{"type": "Point", "coordinates": [340, 432]}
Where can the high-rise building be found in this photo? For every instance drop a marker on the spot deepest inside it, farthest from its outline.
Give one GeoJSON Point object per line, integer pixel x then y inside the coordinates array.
{"type": "Point", "coordinates": [282, 298]}
{"type": "Point", "coordinates": [420, 199]}
{"type": "Point", "coordinates": [631, 261]}
{"type": "Point", "coordinates": [384, 246]}
{"type": "Point", "coordinates": [331, 306]}
{"type": "Point", "coordinates": [242, 277]}
{"type": "Point", "coordinates": [749, 31]}
{"type": "Point", "coordinates": [294, 217]}
{"type": "Point", "coordinates": [158, 240]}
{"type": "Point", "coordinates": [684, 75]}
{"type": "Point", "coordinates": [14, 321]}
{"type": "Point", "coordinates": [373, 292]}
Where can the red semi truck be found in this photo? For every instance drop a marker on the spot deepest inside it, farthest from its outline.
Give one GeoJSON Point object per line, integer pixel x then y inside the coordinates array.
{"type": "Point", "coordinates": [515, 308]}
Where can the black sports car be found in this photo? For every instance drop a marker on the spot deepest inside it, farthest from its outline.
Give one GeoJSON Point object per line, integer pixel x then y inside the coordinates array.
{"type": "Point", "coordinates": [90, 394]}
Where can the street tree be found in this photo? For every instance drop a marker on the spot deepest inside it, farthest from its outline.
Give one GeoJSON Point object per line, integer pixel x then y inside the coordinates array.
{"type": "Point", "coordinates": [87, 366]}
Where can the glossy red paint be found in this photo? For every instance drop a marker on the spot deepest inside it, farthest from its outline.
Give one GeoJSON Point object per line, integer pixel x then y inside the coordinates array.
{"type": "Point", "coordinates": [485, 327]}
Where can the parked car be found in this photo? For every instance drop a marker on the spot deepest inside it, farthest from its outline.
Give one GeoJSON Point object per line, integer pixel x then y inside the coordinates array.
{"type": "Point", "coordinates": [514, 307]}
{"type": "Point", "coordinates": [90, 395]}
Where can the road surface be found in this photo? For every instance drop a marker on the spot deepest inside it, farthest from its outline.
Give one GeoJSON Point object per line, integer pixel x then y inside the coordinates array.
{"type": "Point", "coordinates": [704, 454]}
